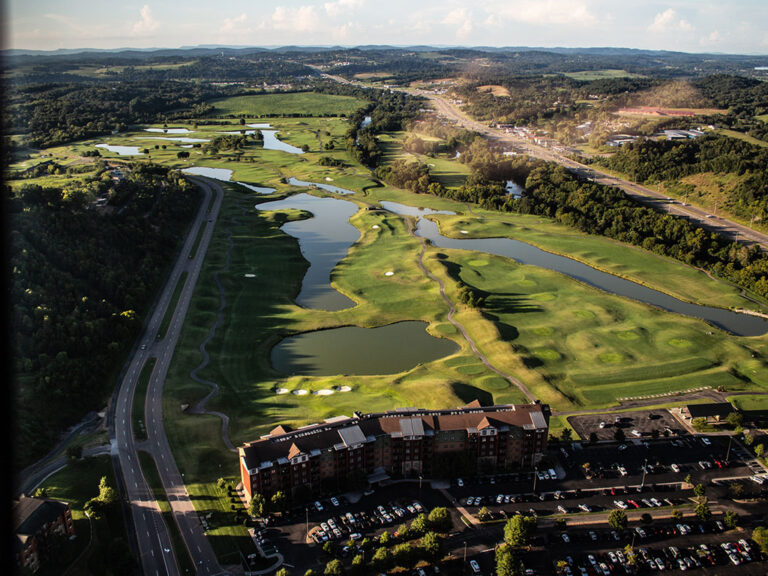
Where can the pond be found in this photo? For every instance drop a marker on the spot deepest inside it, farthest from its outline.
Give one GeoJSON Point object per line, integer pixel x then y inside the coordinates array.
{"type": "Point", "coordinates": [271, 142]}
{"type": "Point", "coordinates": [359, 351]}
{"type": "Point", "coordinates": [172, 139]}
{"type": "Point", "coordinates": [327, 187]}
{"type": "Point", "coordinates": [122, 150]}
{"type": "Point", "coordinates": [734, 322]}
{"type": "Point", "coordinates": [168, 130]}
{"type": "Point", "coordinates": [324, 240]}
{"type": "Point", "coordinates": [224, 175]}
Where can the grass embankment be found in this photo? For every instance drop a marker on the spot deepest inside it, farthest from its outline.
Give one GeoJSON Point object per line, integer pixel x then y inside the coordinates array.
{"type": "Point", "coordinates": [748, 402]}
{"type": "Point", "coordinates": [139, 400]}
{"type": "Point", "coordinates": [152, 476]}
{"type": "Point", "coordinates": [77, 483]}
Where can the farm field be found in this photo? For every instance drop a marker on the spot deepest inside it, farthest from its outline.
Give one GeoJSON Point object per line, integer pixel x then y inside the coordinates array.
{"type": "Point", "coordinates": [589, 75]}
{"type": "Point", "coordinates": [303, 103]}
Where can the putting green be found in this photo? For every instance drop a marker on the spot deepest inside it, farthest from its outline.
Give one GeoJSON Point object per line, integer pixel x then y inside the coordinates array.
{"type": "Point", "coordinates": [680, 343]}
{"type": "Point", "coordinates": [471, 369]}
{"type": "Point", "coordinates": [547, 354]}
{"type": "Point", "coordinates": [585, 314]}
{"type": "Point", "coordinates": [610, 357]}
{"type": "Point", "coordinates": [628, 335]}
{"type": "Point", "coordinates": [544, 331]}
{"type": "Point", "coordinates": [478, 263]}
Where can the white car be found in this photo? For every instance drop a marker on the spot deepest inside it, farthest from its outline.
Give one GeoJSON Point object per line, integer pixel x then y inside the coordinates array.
{"type": "Point", "coordinates": [636, 433]}
{"type": "Point", "coordinates": [675, 468]}
{"type": "Point", "coordinates": [565, 537]}
{"type": "Point", "coordinates": [470, 501]}
{"type": "Point", "coordinates": [475, 566]}
{"type": "Point", "coordinates": [460, 483]}
{"type": "Point", "coordinates": [706, 441]}
{"type": "Point", "coordinates": [601, 425]}
{"type": "Point", "coordinates": [318, 506]}
{"type": "Point", "coordinates": [656, 502]}
{"type": "Point", "coordinates": [334, 501]}
{"type": "Point", "coordinates": [620, 504]}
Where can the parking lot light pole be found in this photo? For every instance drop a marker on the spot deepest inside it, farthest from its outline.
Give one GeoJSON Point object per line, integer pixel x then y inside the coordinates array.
{"type": "Point", "coordinates": [464, 566]}
{"type": "Point", "coordinates": [728, 452]}
{"type": "Point", "coordinates": [535, 475]}
{"type": "Point", "coordinates": [645, 470]}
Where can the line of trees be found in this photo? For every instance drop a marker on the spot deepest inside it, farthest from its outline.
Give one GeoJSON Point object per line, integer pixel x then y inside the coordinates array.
{"type": "Point", "coordinates": [82, 281]}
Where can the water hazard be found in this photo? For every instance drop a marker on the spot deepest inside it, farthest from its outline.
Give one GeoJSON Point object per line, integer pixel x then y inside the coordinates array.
{"type": "Point", "coordinates": [734, 322]}
{"type": "Point", "coordinates": [225, 175]}
{"type": "Point", "coordinates": [354, 350]}
{"type": "Point", "coordinates": [324, 241]}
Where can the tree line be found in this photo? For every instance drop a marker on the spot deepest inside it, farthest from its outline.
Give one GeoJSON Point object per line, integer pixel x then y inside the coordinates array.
{"type": "Point", "coordinates": [82, 281]}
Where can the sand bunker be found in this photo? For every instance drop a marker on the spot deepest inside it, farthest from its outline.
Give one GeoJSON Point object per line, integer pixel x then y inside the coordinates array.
{"type": "Point", "coordinates": [464, 232]}
{"type": "Point", "coordinates": [324, 392]}
{"type": "Point", "coordinates": [300, 392]}
{"type": "Point", "coordinates": [390, 273]}
{"type": "Point", "coordinates": [344, 389]}
{"type": "Point", "coordinates": [328, 179]}
{"type": "Point", "coordinates": [281, 391]}
{"type": "Point", "coordinates": [375, 226]}
{"type": "Point", "coordinates": [250, 275]}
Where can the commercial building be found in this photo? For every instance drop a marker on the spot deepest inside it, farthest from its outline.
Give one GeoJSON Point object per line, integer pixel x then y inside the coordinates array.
{"type": "Point", "coordinates": [408, 442]}
{"type": "Point", "coordinates": [39, 525]}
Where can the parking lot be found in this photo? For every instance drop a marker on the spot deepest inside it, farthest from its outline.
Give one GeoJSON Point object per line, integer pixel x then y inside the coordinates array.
{"type": "Point", "coordinates": [650, 484]}
{"type": "Point", "coordinates": [643, 423]}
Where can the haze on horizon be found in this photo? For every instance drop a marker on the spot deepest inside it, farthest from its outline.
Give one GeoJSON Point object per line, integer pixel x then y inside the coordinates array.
{"type": "Point", "coordinates": [733, 26]}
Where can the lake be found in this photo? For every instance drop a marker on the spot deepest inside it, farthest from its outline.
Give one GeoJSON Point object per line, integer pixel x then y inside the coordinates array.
{"type": "Point", "coordinates": [324, 240]}
{"type": "Point", "coordinates": [271, 142]}
{"type": "Point", "coordinates": [122, 150]}
{"type": "Point", "coordinates": [168, 130]}
{"type": "Point", "coordinates": [327, 187]}
{"type": "Point", "coordinates": [354, 350]}
{"type": "Point", "coordinates": [734, 322]}
{"type": "Point", "coordinates": [224, 175]}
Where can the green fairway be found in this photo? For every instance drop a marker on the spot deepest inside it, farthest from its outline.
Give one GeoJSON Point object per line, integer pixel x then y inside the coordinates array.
{"type": "Point", "coordinates": [743, 136]}
{"type": "Point", "coordinates": [749, 402]}
{"type": "Point", "coordinates": [303, 103]}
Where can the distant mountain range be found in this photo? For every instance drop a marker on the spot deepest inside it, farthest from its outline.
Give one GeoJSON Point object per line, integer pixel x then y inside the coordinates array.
{"type": "Point", "coordinates": [209, 49]}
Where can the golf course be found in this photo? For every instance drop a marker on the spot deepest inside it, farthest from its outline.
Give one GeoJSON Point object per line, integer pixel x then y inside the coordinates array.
{"type": "Point", "coordinates": [572, 345]}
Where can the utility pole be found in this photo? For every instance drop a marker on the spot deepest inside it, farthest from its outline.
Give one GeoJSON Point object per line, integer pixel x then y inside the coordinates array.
{"type": "Point", "coordinates": [464, 566]}
{"type": "Point", "coordinates": [535, 475]}
{"type": "Point", "coordinates": [306, 512]}
{"type": "Point", "coordinates": [728, 452]}
{"type": "Point", "coordinates": [645, 469]}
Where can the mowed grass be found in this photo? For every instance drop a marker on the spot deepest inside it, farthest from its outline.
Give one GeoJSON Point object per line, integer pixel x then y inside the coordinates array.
{"type": "Point", "coordinates": [309, 103]}
{"type": "Point", "coordinates": [575, 346]}
{"type": "Point", "coordinates": [747, 402]}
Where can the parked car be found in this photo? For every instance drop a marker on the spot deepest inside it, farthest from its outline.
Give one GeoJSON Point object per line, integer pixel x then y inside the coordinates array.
{"type": "Point", "coordinates": [475, 566]}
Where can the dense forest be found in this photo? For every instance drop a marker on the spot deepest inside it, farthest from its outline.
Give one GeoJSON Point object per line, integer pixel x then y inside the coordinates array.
{"type": "Point", "coordinates": [53, 114]}
{"type": "Point", "coordinates": [82, 281]}
{"type": "Point", "coordinates": [653, 161]}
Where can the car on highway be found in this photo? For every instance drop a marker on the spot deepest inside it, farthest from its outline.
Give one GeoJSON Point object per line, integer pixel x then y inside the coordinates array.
{"type": "Point", "coordinates": [143, 346]}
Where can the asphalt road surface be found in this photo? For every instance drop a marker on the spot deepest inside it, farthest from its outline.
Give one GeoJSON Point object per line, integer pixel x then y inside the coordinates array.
{"type": "Point", "coordinates": [656, 199]}
{"type": "Point", "coordinates": [156, 553]}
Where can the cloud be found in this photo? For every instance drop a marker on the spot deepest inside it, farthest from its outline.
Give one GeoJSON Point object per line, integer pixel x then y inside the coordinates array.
{"type": "Point", "coordinates": [462, 19]}
{"type": "Point", "coordinates": [301, 19]}
{"type": "Point", "coordinates": [339, 7]}
{"type": "Point", "coordinates": [545, 12]}
{"type": "Point", "coordinates": [147, 23]}
{"type": "Point", "coordinates": [68, 21]}
{"type": "Point", "coordinates": [235, 25]}
{"type": "Point", "coordinates": [713, 37]}
{"type": "Point", "coordinates": [668, 21]}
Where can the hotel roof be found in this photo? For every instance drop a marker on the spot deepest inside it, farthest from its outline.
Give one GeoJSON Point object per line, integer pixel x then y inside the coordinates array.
{"type": "Point", "coordinates": [340, 432]}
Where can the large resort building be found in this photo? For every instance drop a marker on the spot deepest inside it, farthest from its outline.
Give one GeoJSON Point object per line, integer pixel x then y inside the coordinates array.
{"type": "Point", "coordinates": [404, 443]}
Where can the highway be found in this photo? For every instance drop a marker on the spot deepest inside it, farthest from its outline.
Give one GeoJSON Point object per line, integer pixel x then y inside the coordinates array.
{"type": "Point", "coordinates": [156, 553]}
{"type": "Point", "coordinates": [658, 200]}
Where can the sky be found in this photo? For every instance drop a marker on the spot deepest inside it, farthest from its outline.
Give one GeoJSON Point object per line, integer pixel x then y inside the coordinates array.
{"type": "Point", "coordinates": [724, 26]}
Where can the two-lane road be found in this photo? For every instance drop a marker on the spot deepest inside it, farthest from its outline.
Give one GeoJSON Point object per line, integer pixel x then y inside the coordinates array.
{"type": "Point", "coordinates": [156, 552]}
